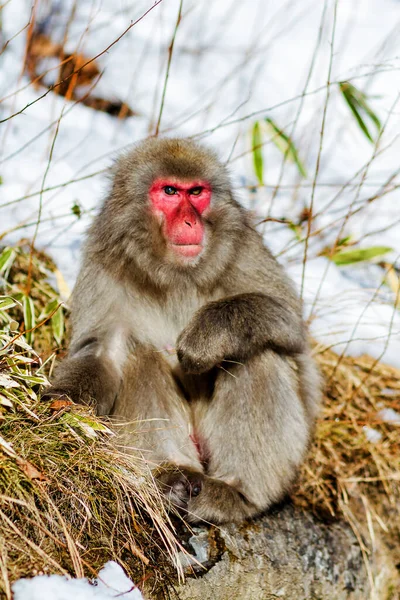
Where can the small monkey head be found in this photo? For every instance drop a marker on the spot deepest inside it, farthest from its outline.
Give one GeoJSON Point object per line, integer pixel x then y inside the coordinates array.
{"type": "Point", "coordinates": [170, 211]}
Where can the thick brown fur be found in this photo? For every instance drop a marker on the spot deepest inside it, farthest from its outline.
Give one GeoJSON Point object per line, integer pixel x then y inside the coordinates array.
{"type": "Point", "coordinates": [227, 417]}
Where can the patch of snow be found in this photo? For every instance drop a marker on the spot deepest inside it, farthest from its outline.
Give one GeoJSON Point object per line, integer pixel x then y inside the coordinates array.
{"type": "Point", "coordinates": [111, 582]}
{"type": "Point", "coordinates": [233, 63]}
{"type": "Point", "coordinates": [388, 415]}
{"type": "Point", "coordinates": [372, 434]}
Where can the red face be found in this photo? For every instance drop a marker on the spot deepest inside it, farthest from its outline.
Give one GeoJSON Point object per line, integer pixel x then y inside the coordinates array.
{"type": "Point", "coordinates": [179, 205]}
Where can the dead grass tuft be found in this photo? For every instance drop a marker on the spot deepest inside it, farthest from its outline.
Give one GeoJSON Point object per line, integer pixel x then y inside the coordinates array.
{"type": "Point", "coordinates": [353, 468]}
{"type": "Point", "coordinates": [69, 501]}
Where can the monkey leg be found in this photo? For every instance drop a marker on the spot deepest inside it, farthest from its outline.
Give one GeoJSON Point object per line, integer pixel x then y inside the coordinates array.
{"type": "Point", "coordinates": [255, 430]}
{"type": "Point", "coordinates": [153, 415]}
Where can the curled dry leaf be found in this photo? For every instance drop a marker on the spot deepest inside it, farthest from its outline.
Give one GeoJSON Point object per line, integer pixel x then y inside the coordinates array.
{"type": "Point", "coordinates": [75, 74]}
{"type": "Point", "coordinates": [30, 470]}
{"type": "Point", "coordinates": [60, 403]}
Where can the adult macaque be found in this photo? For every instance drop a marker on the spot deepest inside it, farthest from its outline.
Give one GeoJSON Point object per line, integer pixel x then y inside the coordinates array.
{"type": "Point", "coordinates": [172, 262]}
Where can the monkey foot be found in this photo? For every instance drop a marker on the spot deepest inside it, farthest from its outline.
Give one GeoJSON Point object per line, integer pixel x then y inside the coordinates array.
{"type": "Point", "coordinates": [181, 485]}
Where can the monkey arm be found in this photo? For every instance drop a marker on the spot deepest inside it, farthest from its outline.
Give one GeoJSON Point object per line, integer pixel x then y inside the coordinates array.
{"type": "Point", "coordinates": [92, 372]}
{"type": "Point", "coordinates": [237, 328]}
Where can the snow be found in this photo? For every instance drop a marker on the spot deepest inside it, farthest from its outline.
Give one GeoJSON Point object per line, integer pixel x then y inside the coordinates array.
{"type": "Point", "coordinates": [372, 434]}
{"type": "Point", "coordinates": [388, 415]}
{"type": "Point", "coordinates": [110, 583]}
{"type": "Point", "coordinates": [233, 63]}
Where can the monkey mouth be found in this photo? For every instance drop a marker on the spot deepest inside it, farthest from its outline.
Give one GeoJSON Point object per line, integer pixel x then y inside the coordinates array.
{"type": "Point", "coordinates": [187, 250]}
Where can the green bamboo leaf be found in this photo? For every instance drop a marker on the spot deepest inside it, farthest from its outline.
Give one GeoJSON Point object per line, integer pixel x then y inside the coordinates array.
{"type": "Point", "coordinates": [7, 382]}
{"type": "Point", "coordinates": [96, 425]}
{"type": "Point", "coordinates": [26, 360]}
{"type": "Point", "coordinates": [29, 317]}
{"type": "Point", "coordinates": [20, 342]}
{"type": "Point", "coordinates": [86, 425]}
{"type": "Point", "coordinates": [6, 302]}
{"type": "Point", "coordinates": [357, 102]}
{"type": "Point", "coordinates": [6, 260]}
{"type": "Point", "coordinates": [361, 99]}
{"type": "Point", "coordinates": [55, 309]}
{"type": "Point", "coordinates": [344, 241]}
{"type": "Point", "coordinates": [31, 379]}
{"type": "Point", "coordinates": [76, 210]}
{"type": "Point", "coordinates": [57, 324]}
{"type": "Point", "coordinates": [258, 160]}
{"type": "Point", "coordinates": [285, 144]}
{"type": "Point", "coordinates": [356, 255]}
{"type": "Point", "coordinates": [48, 309]}
{"type": "Point", "coordinates": [373, 116]}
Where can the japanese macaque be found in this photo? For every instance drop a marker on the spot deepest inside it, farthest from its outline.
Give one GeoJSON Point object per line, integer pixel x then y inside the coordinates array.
{"type": "Point", "coordinates": [182, 320]}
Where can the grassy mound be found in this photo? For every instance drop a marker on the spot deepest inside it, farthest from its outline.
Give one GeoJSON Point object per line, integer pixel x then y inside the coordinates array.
{"type": "Point", "coordinates": [356, 444]}
{"type": "Point", "coordinates": [353, 468]}
{"type": "Point", "coordinates": [69, 501]}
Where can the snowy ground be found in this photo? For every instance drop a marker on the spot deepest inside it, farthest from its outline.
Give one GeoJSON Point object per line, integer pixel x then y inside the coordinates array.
{"type": "Point", "coordinates": [233, 63]}
{"type": "Point", "coordinates": [111, 583]}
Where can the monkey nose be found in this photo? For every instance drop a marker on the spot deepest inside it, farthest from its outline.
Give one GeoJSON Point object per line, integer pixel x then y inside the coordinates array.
{"type": "Point", "coordinates": [187, 223]}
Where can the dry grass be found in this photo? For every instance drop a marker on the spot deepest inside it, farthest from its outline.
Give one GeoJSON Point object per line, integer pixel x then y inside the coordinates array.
{"type": "Point", "coordinates": [346, 475]}
{"type": "Point", "coordinates": [69, 500]}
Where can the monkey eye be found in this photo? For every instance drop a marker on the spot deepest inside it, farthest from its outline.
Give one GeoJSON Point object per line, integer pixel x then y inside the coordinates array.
{"type": "Point", "coordinates": [170, 190]}
{"type": "Point", "coordinates": [196, 191]}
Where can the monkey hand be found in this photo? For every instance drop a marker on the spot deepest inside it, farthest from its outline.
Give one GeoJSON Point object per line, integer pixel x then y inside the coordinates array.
{"type": "Point", "coordinates": [201, 345]}
{"type": "Point", "coordinates": [65, 394]}
{"type": "Point", "coordinates": [77, 395]}
{"type": "Point", "coordinates": [54, 393]}
{"type": "Point", "coordinates": [89, 380]}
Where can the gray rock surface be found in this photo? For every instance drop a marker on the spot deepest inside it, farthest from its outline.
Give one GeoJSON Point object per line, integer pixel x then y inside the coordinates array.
{"type": "Point", "coordinates": [287, 554]}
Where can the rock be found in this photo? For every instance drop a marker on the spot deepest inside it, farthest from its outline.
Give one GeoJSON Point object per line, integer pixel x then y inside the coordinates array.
{"type": "Point", "coordinates": [287, 554]}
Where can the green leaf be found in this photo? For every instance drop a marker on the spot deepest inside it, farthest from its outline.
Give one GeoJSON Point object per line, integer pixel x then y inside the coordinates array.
{"type": "Point", "coordinates": [296, 230]}
{"type": "Point", "coordinates": [31, 379]}
{"type": "Point", "coordinates": [6, 260]}
{"type": "Point", "coordinates": [285, 144]}
{"type": "Point", "coordinates": [48, 309]}
{"type": "Point", "coordinates": [96, 425]}
{"type": "Point", "coordinates": [7, 382]}
{"type": "Point", "coordinates": [57, 324]}
{"type": "Point", "coordinates": [76, 210]}
{"type": "Point", "coordinates": [357, 102]}
{"type": "Point", "coordinates": [6, 302]}
{"type": "Point", "coordinates": [348, 257]}
{"type": "Point", "coordinates": [258, 160]}
{"type": "Point", "coordinates": [86, 425]}
{"type": "Point", "coordinates": [20, 342]}
{"type": "Point", "coordinates": [57, 319]}
{"type": "Point", "coordinates": [29, 317]}
{"type": "Point", "coordinates": [344, 241]}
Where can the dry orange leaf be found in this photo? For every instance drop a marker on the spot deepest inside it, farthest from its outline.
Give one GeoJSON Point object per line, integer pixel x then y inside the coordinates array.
{"type": "Point", "coordinates": [60, 403]}
{"type": "Point", "coordinates": [31, 471]}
